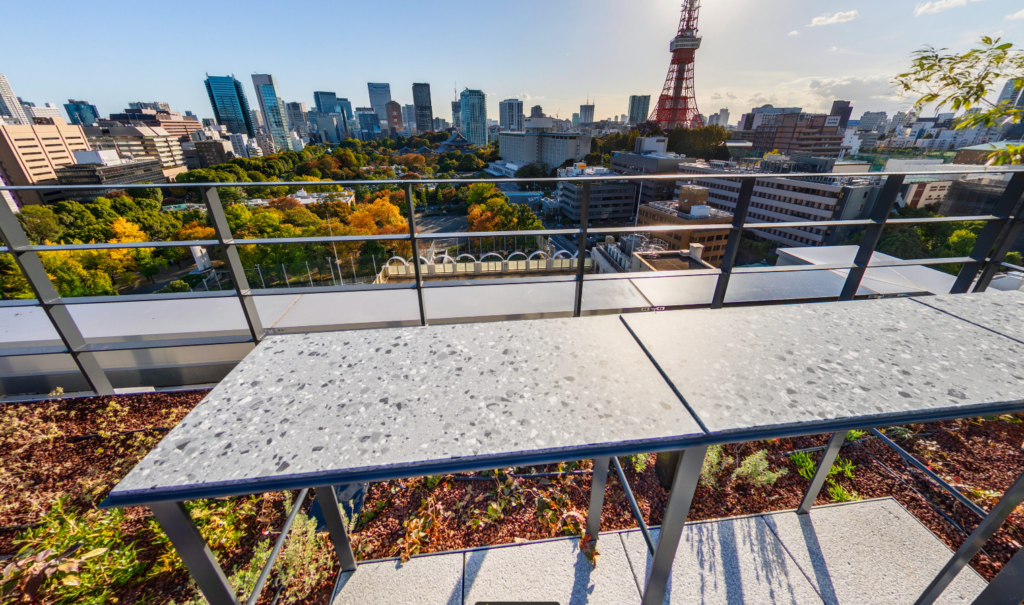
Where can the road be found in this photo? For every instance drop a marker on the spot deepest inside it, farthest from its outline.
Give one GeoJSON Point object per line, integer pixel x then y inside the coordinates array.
{"type": "Point", "coordinates": [449, 223]}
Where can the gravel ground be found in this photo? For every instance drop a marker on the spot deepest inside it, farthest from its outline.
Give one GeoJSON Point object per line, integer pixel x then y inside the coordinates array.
{"type": "Point", "coordinates": [80, 448]}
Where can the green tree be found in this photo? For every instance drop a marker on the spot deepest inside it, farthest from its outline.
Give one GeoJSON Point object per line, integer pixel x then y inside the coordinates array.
{"type": "Point", "coordinates": [40, 224]}
{"type": "Point", "coordinates": [964, 81]}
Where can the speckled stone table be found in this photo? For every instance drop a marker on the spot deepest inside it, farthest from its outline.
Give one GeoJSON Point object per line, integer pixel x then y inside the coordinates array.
{"type": "Point", "coordinates": [812, 367]}
{"type": "Point", "coordinates": [1001, 312]}
{"type": "Point", "coordinates": [334, 407]}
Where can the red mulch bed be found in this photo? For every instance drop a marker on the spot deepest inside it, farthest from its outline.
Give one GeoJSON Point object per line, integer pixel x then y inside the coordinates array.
{"type": "Point", "coordinates": [43, 457]}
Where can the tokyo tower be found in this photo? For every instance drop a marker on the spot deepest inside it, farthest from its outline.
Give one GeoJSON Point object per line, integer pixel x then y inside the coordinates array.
{"type": "Point", "coordinates": [677, 106]}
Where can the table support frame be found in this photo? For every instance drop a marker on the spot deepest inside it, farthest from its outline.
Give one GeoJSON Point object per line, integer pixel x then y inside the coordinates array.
{"type": "Point", "coordinates": [828, 458]}
{"type": "Point", "coordinates": [336, 526]}
{"type": "Point", "coordinates": [598, 482]}
{"type": "Point", "coordinates": [684, 485]}
{"type": "Point", "coordinates": [200, 561]}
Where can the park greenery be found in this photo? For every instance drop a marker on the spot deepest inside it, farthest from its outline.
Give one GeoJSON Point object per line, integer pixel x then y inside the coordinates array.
{"type": "Point", "coordinates": [138, 215]}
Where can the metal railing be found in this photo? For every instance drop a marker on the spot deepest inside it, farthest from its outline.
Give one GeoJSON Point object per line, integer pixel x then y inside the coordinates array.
{"type": "Point", "coordinates": [1002, 228]}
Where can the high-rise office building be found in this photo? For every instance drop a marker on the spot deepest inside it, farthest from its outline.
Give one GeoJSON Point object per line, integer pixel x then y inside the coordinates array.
{"type": "Point", "coordinates": [81, 112]}
{"type": "Point", "coordinates": [10, 106]}
{"type": "Point", "coordinates": [843, 109]}
{"type": "Point", "coordinates": [473, 112]}
{"type": "Point", "coordinates": [154, 105]}
{"type": "Point", "coordinates": [510, 115]}
{"type": "Point", "coordinates": [424, 108]}
{"type": "Point", "coordinates": [257, 119]}
{"type": "Point", "coordinates": [536, 111]}
{"type": "Point", "coordinates": [872, 120]}
{"type": "Point", "coordinates": [380, 95]}
{"type": "Point", "coordinates": [297, 118]}
{"type": "Point", "coordinates": [369, 124]}
{"type": "Point", "coordinates": [586, 114]}
{"type": "Point", "coordinates": [49, 110]}
{"type": "Point", "coordinates": [457, 115]}
{"type": "Point", "coordinates": [393, 111]}
{"type": "Point", "coordinates": [575, 120]}
{"type": "Point", "coordinates": [639, 108]}
{"type": "Point", "coordinates": [723, 116]}
{"type": "Point", "coordinates": [328, 102]}
{"type": "Point", "coordinates": [272, 108]}
{"type": "Point", "coordinates": [1011, 92]}
{"type": "Point", "coordinates": [409, 118]}
{"type": "Point", "coordinates": [31, 153]}
{"type": "Point", "coordinates": [230, 105]}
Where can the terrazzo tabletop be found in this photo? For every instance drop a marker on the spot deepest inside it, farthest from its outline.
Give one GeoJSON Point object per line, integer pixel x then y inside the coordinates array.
{"type": "Point", "coordinates": [308, 408]}
{"type": "Point", "coordinates": [1001, 312]}
{"type": "Point", "coordinates": [792, 367]}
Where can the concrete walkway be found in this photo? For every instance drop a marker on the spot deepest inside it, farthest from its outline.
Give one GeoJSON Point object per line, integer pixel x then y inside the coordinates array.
{"type": "Point", "coordinates": [858, 553]}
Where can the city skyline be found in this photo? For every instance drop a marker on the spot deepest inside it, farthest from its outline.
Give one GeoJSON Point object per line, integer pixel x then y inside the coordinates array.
{"type": "Point", "coordinates": [792, 55]}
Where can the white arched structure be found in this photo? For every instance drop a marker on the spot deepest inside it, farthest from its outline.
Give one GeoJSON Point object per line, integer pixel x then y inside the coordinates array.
{"type": "Point", "coordinates": [523, 254]}
{"type": "Point", "coordinates": [561, 252]}
{"type": "Point", "coordinates": [404, 262]}
{"type": "Point", "coordinates": [538, 252]}
{"type": "Point", "coordinates": [471, 258]}
{"type": "Point", "coordinates": [444, 258]}
{"type": "Point", "coordinates": [491, 254]}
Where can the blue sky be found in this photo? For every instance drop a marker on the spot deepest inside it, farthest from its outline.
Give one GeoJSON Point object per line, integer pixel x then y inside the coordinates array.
{"type": "Point", "coordinates": [553, 53]}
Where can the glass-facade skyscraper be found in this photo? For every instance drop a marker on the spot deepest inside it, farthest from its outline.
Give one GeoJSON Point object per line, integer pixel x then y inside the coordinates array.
{"type": "Point", "coordinates": [81, 112]}
{"type": "Point", "coordinates": [328, 102]}
{"type": "Point", "coordinates": [380, 96]}
{"type": "Point", "coordinates": [230, 106]}
{"type": "Point", "coordinates": [639, 109]}
{"type": "Point", "coordinates": [424, 110]}
{"type": "Point", "coordinates": [273, 108]}
{"type": "Point", "coordinates": [473, 112]}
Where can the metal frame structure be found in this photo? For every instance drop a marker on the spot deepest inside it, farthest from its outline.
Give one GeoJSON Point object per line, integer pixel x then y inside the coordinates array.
{"type": "Point", "coordinates": [988, 256]}
{"type": "Point", "coordinates": [677, 105]}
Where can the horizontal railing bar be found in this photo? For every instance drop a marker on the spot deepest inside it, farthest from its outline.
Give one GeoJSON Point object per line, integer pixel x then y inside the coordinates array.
{"type": "Point", "coordinates": [982, 513]}
{"type": "Point", "coordinates": [325, 239]}
{"type": "Point", "coordinates": [1014, 267]}
{"type": "Point", "coordinates": [943, 219]}
{"type": "Point", "coordinates": [90, 300]}
{"type": "Point", "coordinates": [116, 246]}
{"type": "Point", "coordinates": [298, 290]}
{"type": "Point", "coordinates": [618, 177]}
{"type": "Point", "coordinates": [173, 343]}
{"type": "Point", "coordinates": [477, 234]}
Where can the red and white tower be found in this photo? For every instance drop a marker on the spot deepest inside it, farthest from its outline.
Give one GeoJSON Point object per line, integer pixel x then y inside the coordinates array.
{"type": "Point", "coordinates": [677, 106]}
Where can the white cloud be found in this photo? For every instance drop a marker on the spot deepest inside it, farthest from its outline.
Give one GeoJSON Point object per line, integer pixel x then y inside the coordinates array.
{"type": "Point", "coordinates": [859, 89]}
{"type": "Point", "coordinates": [1017, 15]}
{"type": "Point", "coordinates": [937, 6]}
{"type": "Point", "coordinates": [759, 99]}
{"type": "Point", "coordinates": [833, 49]}
{"type": "Point", "coordinates": [842, 17]}
{"type": "Point", "coordinates": [793, 33]}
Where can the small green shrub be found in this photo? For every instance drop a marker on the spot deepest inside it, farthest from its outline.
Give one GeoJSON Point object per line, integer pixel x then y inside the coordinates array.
{"type": "Point", "coordinates": [754, 470]}
{"type": "Point", "coordinates": [640, 462]}
{"type": "Point", "coordinates": [304, 561]}
{"type": "Point", "coordinates": [714, 464]}
{"type": "Point", "coordinates": [432, 481]}
{"type": "Point", "coordinates": [900, 432]}
{"type": "Point", "coordinates": [842, 467]}
{"type": "Point", "coordinates": [222, 523]}
{"type": "Point", "coordinates": [805, 465]}
{"type": "Point", "coordinates": [108, 561]}
{"type": "Point", "coordinates": [838, 493]}
{"type": "Point", "coordinates": [855, 434]}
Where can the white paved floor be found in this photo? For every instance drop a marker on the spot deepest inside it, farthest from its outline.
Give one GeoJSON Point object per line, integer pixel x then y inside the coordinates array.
{"type": "Point", "coordinates": [857, 553]}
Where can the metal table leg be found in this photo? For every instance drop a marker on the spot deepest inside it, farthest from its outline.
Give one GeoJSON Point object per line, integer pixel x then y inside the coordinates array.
{"type": "Point", "coordinates": [597, 485]}
{"type": "Point", "coordinates": [1007, 588]}
{"type": "Point", "coordinates": [828, 458]}
{"type": "Point", "coordinates": [974, 542]}
{"type": "Point", "coordinates": [336, 526]}
{"type": "Point", "coordinates": [679, 500]}
{"type": "Point", "coordinates": [193, 550]}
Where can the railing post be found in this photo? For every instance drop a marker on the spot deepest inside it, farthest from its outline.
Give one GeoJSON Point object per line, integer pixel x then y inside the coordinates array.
{"type": "Point", "coordinates": [872, 234]}
{"type": "Point", "coordinates": [732, 247]}
{"type": "Point", "coordinates": [31, 267]}
{"type": "Point", "coordinates": [411, 209]}
{"type": "Point", "coordinates": [581, 250]}
{"type": "Point", "coordinates": [989, 237]}
{"type": "Point", "coordinates": [219, 220]}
